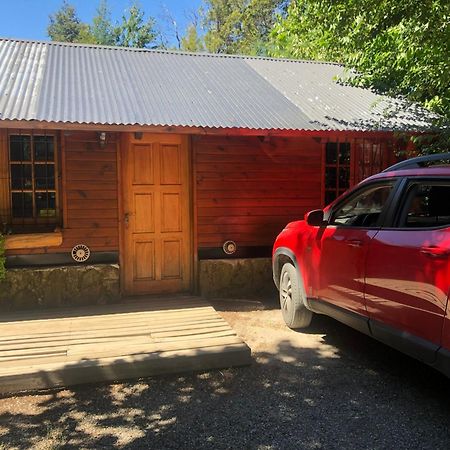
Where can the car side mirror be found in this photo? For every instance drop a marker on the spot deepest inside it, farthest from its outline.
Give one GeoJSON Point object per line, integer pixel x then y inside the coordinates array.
{"type": "Point", "coordinates": [315, 218]}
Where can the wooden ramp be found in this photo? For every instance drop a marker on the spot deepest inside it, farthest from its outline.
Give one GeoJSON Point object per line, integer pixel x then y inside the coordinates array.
{"type": "Point", "coordinates": [114, 342]}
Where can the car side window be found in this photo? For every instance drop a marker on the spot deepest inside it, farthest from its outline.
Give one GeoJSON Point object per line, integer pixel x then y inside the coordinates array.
{"type": "Point", "coordinates": [427, 205]}
{"type": "Point", "coordinates": [363, 209]}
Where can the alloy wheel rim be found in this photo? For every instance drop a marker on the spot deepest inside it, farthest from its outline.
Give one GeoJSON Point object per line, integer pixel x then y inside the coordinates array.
{"type": "Point", "coordinates": [286, 292]}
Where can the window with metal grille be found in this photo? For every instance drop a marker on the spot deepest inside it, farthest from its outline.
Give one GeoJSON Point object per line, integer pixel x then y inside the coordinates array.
{"type": "Point", "coordinates": [371, 157]}
{"type": "Point", "coordinates": [337, 169]}
{"type": "Point", "coordinates": [33, 183]}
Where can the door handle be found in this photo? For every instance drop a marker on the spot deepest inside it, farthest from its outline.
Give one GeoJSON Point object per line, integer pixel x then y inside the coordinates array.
{"type": "Point", "coordinates": [435, 252]}
{"type": "Point", "coordinates": [354, 242]}
{"type": "Point", "coordinates": [126, 219]}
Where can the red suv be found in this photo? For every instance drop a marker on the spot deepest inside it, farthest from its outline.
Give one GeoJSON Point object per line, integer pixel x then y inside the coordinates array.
{"type": "Point", "coordinates": [376, 259]}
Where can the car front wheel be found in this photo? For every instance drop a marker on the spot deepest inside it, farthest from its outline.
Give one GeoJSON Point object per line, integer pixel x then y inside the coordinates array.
{"type": "Point", "coordinates": [293, 309]}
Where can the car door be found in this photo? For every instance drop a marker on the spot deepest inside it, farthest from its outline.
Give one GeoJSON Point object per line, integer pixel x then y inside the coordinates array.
{"type": "Point", "coordinates": [408, 271]}
{"type": "Point", "coordinates": [344, 242]}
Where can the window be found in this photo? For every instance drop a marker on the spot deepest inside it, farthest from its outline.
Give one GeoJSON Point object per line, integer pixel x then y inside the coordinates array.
{"type": "Point", "coordinates": [33, 183]}
{"type": "Point", "coordinates": [427, 205]}
{"type": "Point", "coordinates": [371, 157]}
{"type": "Point", "coordinates": [337, 169]}
{"type": "Point", "coordinates": [363, 209]}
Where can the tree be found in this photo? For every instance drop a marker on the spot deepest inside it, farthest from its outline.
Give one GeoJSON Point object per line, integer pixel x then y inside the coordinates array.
{"type": "Point", "coordinates": [400, 48]}
{"type": "Point", "coordinates": [134, 31]}
{"type": "Point", "coordinates": [240, 26]}
{"type": "Point", "coordinates": [101, 30]}
{"type": "Point", "coordinates": [169, 29]}
{"type": "Point", "coordinates": [192, 42]}
{"type": "Point", "coordinates": [258, 20]}
{"type": "Point", "coordinates": [65, 26]}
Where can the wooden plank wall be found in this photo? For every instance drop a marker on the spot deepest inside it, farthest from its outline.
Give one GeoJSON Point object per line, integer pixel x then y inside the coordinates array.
{"type": "Point", "coordinates": [91, 214]}
{"type": "Point", "coordinates": [248, 188]}
{"type": "Point", "coordinates": [4, 178]}
{"type": "Point", "coordinates": [88, 194]}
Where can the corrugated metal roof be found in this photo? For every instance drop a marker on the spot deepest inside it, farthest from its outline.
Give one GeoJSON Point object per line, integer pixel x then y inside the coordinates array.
{"type": "Point", "coordinates": [75, 83]}
{"type": "Point", "coordinates": [314, 89]}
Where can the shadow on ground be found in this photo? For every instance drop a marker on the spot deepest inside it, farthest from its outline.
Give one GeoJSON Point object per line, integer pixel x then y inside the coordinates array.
{"type": "Point", "coordinates": [245, 305]}
{"type": "Point", "coordinates": [328, 388]}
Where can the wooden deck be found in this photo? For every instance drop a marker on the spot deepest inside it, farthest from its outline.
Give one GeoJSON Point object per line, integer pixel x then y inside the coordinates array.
{"type": "Point", "coordinates": [115, 342]}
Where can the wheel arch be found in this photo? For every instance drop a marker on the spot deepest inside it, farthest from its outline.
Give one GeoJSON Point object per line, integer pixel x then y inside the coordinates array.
{"type": "Point", "coordinates": [282, 256]}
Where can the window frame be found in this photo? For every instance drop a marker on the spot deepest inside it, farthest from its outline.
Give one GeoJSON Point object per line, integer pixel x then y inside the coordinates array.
{"type": "Point", "coordinates": [395, 183]}
{"type": "Point", "coordinates": [41, 223]}
{"type": "Point", "coordinates": [337, 190]}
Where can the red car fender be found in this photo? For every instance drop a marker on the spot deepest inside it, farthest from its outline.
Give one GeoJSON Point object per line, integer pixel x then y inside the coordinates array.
{"type": "Point", "coordinates": [295, 243]}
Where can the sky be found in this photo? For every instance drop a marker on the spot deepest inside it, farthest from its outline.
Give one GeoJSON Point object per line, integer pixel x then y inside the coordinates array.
{"type": "Point", "coordinates": [28, 19]}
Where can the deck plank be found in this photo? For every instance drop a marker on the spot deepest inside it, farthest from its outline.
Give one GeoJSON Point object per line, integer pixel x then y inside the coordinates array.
{"type": "Point", "coordinates": [129, 367]}
{"type": "Point", "coordinates": [94, 336]}
{"type": "Point", "coordinates": [92, 344]}
{"type": "Point", "coordinates": [71, 337]}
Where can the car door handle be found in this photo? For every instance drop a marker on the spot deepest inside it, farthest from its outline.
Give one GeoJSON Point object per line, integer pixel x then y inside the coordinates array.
{"type": "Point", "coordinates": [354, 242]}
{"type": "Point", "coordinates": [435, 252]}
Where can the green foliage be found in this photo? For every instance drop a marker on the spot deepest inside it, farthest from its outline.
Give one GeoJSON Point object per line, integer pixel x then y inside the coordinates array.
{"type": "Point", "coordinates": [2, 258]}
{"type": "Point", "coordinates": [134, 31]}
{"type": "Point", "coordinates": [102, 30]}
{"type": "Point", "coordinates": [65, 26]}
{"type": "Point", "coordinates": [227, 26]}
{"type": "Point", "coordinates": [400, 48]}
{"type": "Point", "coordinates": [240, 26]}
{"type": "Point", "coordinates": [192, 42]}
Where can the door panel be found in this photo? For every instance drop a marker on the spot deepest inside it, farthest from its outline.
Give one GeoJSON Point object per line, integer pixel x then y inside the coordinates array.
{"type": "Point", "coordinates": [344, 244]}
{"type": "Point", "coordinates": [404, 287]}
{"type": "Point", "coordinates": [143, 164]}
{"type": "Point", "coordinates": [156, 205]}
{"type": "Point", "coordinates": [171, 255]}
{"type": "Point", "coordinates": [144, 221]}
{"type": "Point", "coordinates": [408, 267]}
{"type": "Point", "coordinates": [170, 165]}
{"type": "Point", "coordinates": [171, 212]}
{"type": "Point", "coordinates": [144, 267]}
{"type": "Point", "coordinates": [341, 270]}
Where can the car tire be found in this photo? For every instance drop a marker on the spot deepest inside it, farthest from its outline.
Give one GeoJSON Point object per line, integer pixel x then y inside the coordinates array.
{"type": "Point", "coordinates": [292, 301]}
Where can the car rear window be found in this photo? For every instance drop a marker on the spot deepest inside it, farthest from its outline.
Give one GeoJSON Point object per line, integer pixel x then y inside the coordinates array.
{"type": "Point", "coordinates": [427, 205]}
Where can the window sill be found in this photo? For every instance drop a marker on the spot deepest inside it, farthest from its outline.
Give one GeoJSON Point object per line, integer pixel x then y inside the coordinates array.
{"type": "Point", "coordinates": [35, 240]}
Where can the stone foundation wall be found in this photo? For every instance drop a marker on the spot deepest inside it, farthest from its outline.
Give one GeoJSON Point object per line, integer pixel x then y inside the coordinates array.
{"type": "Point", "coordinates": [236, 278]}
{"type": "Point", "coordinates": [34, 288]}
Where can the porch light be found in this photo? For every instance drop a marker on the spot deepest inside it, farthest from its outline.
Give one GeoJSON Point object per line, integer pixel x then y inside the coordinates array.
{"type": "Point", "coordinates": [102, 139]}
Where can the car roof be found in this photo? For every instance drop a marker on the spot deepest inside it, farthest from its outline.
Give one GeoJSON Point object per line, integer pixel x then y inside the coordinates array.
{"type": "Point", "coordinates": [436, 171]}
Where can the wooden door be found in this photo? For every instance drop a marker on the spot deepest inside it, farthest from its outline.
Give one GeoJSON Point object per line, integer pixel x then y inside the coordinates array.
{"type": "Point", "coordinates": [156, 245]}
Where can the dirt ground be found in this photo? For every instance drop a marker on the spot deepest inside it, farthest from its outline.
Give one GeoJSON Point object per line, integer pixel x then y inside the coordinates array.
{"type": "Point", "coordinates": [326, 388]}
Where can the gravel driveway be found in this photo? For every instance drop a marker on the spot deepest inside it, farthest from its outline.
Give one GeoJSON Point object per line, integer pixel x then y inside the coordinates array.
{"type": "Point", "coordinates": [329, 387]}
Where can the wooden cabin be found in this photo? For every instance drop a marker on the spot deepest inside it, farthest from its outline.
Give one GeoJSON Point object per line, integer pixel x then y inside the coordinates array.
{"type": "Point", "coordinates": [127, 172]}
